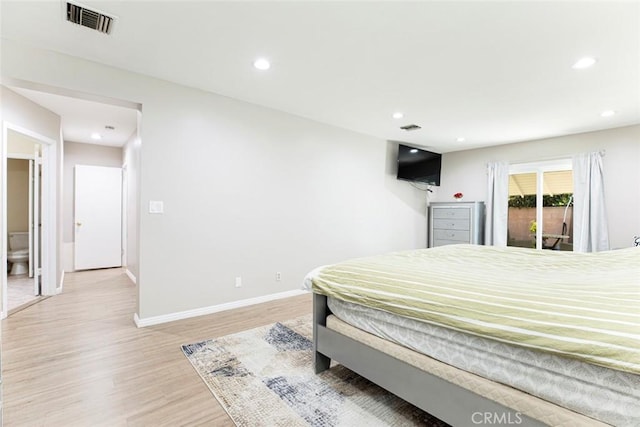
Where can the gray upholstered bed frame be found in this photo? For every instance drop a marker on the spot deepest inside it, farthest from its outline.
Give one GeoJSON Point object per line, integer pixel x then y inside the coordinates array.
{"type": "Point", "coordinates": [440, 398]}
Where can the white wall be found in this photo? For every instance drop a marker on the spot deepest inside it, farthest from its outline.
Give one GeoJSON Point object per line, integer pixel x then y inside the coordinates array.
{"type": "Point", "coordinates": [80, 154]}
{"type": "Point", "coordinates": [247, 191]}
{"type": "Point", "coordinates": [17, 195]}
{"type": "Point", "coordinates": [20, 145]}
{"type": "Point", "coordinates": [465, 171]}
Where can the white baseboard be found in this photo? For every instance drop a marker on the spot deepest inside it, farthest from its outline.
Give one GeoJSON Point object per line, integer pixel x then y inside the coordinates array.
{"type": "Point", "coordinates": [130, 275]}
{"type": "Point", "coordinates": [156, 320]}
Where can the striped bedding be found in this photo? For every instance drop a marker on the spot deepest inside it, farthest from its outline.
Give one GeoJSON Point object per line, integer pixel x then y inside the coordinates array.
{"type": "Point", "coordinates": [582, 306]}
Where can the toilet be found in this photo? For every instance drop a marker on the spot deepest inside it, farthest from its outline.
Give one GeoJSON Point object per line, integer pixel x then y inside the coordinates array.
{"type": "Point", "coordinates": [18, 254]}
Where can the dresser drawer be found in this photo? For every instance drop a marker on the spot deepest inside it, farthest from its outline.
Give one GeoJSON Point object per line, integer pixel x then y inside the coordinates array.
{"type": "Point", "coordinates": [451, 213]}
{"type": "Point", "coordinates": [451, 224]}
{"type": "Point", "coordinates": [437, 243]}
{"type": "Point", "coordinates": [453, 235]}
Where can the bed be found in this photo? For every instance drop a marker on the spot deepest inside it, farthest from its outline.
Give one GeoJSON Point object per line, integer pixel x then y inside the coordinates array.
{"type": "Point", "coordinates": [485, 335]}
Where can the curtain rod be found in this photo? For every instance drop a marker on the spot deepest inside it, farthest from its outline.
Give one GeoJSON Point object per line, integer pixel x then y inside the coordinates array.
{"type": "Point", "coordinates": [602, 152]}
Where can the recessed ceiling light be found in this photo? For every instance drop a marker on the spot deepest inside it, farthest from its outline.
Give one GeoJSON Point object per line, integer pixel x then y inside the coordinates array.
{"type": "Point", "coordinates": [96, 136]}
{"type": "Point", "coordinates": [607, 113]}
{"type": "Point", "coordinates": [583, 63]}
{"type": "Point", "coordinates": [262, 64]}
{"type": "Point", "coordinates": [413, 150]}
{"type": "Point", "coordinates": [398, 115]}
{"type": "Point", "coordinates": [460, 139]}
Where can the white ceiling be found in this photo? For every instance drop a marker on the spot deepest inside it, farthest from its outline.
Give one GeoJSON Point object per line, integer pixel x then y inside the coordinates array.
{"type": "Point", "coordinates": [82, 118]}
{"type": "Point", "coordinates": [491, 72]}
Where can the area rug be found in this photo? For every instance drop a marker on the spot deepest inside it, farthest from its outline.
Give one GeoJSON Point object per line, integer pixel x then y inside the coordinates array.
{"type": "Point", "coordinates": [264, 377]}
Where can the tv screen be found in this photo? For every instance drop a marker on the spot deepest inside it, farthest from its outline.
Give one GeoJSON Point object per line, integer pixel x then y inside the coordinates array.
{"type": "Point", "coordinates": [418, 165]}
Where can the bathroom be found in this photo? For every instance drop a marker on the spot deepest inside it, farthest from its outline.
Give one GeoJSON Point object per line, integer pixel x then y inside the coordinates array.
{"type": "Point", "coordinates": [22, 209]}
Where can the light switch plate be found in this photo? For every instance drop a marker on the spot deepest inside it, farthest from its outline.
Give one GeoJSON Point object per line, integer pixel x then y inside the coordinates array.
{"type": "Point", "coordinates": [156, 206]}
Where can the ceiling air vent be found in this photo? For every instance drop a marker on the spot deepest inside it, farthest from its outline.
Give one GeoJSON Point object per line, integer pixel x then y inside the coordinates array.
{"type": "Point", "coordinates": [89, 18]}
{"type": "Point", "coordinates": [410, 127]}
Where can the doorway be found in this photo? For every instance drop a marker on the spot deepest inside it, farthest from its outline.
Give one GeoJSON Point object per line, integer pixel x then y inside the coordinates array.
{"type": "Point", "coordinates": [98, 217]}
{"type": "Point", "coordinates": [26, 220]}
{"type": "Point", "coordinates": [23, 226]}
{"type": "Point", "coordinates": [93, 121]}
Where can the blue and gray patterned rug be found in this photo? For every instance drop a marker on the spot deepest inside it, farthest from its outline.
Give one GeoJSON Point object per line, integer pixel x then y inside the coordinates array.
{"type": "Point", "coordinates": [264, 377]}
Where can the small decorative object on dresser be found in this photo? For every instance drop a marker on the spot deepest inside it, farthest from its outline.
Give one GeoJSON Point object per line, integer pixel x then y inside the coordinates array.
{"type": "Point", "coordinates": [636, 240]}
{"type": "Point", "coordinates": [458, 197]}
{"type": "Point", "coordinates": [451, 223]}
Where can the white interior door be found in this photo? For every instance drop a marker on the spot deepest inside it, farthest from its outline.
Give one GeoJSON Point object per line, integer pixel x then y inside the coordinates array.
{"type": "Point", "coordinates": [34, 224]}
{"type": "Point", "coordinates": [98, 217]}
{"type": "Point", "coordinates": [31, 193]}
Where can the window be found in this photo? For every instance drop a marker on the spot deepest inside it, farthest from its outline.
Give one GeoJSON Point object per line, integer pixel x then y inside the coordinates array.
{"type": "Point", "coordinates": [540, 205]}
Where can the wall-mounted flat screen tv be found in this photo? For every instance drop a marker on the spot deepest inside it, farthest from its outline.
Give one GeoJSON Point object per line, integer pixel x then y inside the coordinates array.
{"type": "Point", "coordinates": [419, 165]}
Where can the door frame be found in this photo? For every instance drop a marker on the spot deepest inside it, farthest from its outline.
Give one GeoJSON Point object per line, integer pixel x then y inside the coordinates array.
{"type": "Point", "coordinates": [125, 212]}
{"type": "Point", "coordinates": [48, 211]}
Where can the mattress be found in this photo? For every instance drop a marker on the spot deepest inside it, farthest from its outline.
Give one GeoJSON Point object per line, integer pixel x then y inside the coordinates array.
{"type": "Point", "coordinates": [584, 306]}
{"type": "Point", "coordinates": [601, 393]}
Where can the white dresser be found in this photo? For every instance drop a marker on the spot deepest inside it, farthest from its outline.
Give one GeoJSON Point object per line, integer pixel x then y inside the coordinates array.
{"type": "Point", "coordinates": [457, 222]}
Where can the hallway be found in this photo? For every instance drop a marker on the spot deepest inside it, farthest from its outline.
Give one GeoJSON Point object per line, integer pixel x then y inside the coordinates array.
{"type": "Point", "coordinates": [77, 359]}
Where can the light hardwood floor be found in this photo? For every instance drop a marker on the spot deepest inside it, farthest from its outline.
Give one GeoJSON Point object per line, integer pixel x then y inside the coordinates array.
{"type": "Point", "coordinates": [19, 291]}
{"type": "Point", "coordinates": [78, 359]}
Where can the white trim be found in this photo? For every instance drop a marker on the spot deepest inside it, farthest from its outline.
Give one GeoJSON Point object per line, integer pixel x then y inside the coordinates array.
{"type": "Point", "coordinates": [155, 320]}
{"type": "Point", "coordinates": [540, 205]}
{"type": "Point", "coordinates": [131, 276]}
{"type": "Point", "coordinates": [3, 222]}
{"type": "Point", "coordinates": [29, 133]}
{"type": "Point", "coordinates": [20, 156]}
{"type": "Point", "coordinates": [124, 216]}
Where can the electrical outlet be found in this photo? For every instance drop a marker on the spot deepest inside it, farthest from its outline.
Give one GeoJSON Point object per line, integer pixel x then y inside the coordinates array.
{"type": "Point", "coordinates": [278, 276]}
{"type": "Point", "coordinates": [238, 282]}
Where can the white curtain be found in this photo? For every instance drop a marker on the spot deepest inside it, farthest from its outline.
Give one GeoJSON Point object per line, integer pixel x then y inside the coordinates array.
{"type": "Point", "coordinates": [590, 232]}
{"type": "Point", "coordinates": [495, 232]}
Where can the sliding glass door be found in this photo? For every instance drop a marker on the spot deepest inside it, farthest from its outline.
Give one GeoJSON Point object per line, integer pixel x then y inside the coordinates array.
{"type": "Point", "coordinates": [540, 205]}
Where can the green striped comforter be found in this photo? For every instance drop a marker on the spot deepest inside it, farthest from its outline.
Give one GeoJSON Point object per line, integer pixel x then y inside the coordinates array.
{"type": "Point", "coordinates": [583, 306]}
